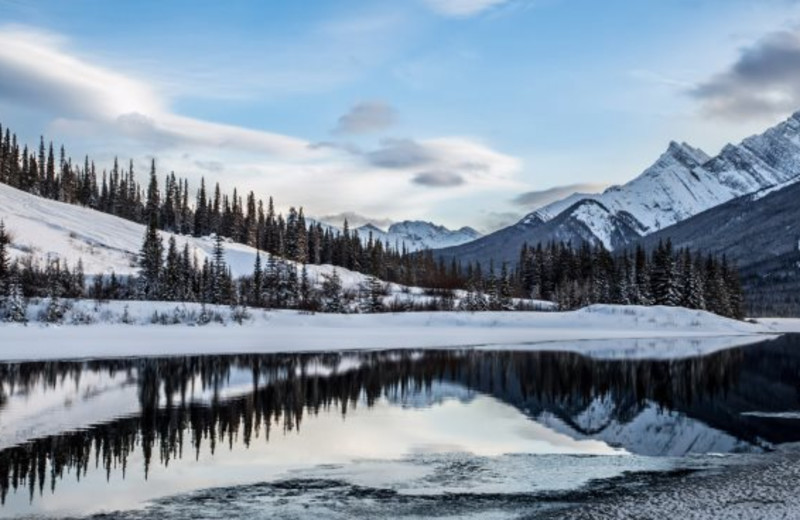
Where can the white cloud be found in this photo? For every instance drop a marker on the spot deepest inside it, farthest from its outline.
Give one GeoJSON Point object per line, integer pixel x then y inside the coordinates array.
{"type": "Point", "coordinates": [462, 8]}
{"type": "Point", "coordinates": [102, 112]}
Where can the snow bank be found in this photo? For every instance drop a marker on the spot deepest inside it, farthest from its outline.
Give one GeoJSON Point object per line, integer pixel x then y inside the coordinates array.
{"type": "Point", "coordinates": [681, 332]}
{"type": "Point", "coordinates": [780, 325]}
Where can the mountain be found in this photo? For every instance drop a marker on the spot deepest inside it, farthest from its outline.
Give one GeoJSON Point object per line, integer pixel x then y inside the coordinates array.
{"type": "Point", "coordinates": [417, 235]}
{"type": "Point", "coordinates": [760, 233]}
{"type": "Point", "coordinates": [683, 182]}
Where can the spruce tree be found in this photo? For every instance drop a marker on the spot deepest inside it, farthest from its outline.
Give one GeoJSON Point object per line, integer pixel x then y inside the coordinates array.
{"type": "Point", "coordinates": [16, 306]}
{"type": "Point", "coordinates": [332, 298]}
{"type": "Point", "coordinates": [258, 282]}
{"type": "Point", "coordinates": [372, 296]}
{"type": "Point", "coordinates": [150, 262]}
{"type": "Point", "coordinates": [4, 259]}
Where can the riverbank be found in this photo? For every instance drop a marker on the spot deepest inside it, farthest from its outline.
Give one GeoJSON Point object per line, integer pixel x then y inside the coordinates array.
{"type": "Point", "coordinates": [128, 328]}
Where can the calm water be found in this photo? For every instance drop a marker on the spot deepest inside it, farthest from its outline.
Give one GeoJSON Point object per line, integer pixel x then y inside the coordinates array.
{"type": "Point", "coordinates": [400, 433]}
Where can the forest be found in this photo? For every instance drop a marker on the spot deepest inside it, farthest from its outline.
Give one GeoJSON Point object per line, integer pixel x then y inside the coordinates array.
{"type": "Point", "coordinates": [572, 276]}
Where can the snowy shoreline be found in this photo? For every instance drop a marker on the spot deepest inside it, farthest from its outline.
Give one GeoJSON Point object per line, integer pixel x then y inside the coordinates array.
{"type": "Point", "coordinates": [126, 329]}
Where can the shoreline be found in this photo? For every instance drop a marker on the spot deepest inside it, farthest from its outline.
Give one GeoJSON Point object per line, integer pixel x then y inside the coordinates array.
{"type": "Point", "coordinates": [127, 329]}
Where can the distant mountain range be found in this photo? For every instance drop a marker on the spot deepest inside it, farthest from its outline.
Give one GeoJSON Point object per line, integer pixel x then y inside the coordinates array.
{"type": "Point", "coordinates": [415, 235]}
{"type": "Point", "coordinates": [683, 182]}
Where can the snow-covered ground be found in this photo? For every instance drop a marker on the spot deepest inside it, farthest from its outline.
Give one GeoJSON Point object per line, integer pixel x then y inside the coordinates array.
{"type": "Point", "coordinates": [127, 329]}
{"type": "Point", "coordinates": [781, 325]}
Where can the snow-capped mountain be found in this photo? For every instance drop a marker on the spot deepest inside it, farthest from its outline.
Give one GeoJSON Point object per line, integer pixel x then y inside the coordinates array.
{"type": "Point", "coordinates": [416, 235]}
{"type": "Point", "coordinates": [653, 431]}
{"type": "Point", "coordinates": [683, 182]}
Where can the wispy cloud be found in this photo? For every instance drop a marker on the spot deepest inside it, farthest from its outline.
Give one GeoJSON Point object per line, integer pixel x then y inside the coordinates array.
{"type": "Point", "coordinates": [462, 8]}
{"type": "Point", "coordinates": [762, 83]}
{"type": "Point", "coordinates": [355, 220]}
{"type": "Point", "coordinates": [438, 179]}
{"type": "Point", "coordinates": [366, 117]}
{"type": "Point", "coordinates": [532, 200]}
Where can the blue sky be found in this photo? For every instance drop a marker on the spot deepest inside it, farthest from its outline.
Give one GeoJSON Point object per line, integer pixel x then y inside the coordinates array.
{"type": "Point", "coordinates": [465, 112]}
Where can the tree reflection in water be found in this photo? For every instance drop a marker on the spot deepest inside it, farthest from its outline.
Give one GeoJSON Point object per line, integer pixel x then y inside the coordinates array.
{"type": "Point", "coordinates": [287, 387]}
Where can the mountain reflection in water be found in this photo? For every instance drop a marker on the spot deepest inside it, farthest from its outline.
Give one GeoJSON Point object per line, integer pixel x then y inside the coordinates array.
{"type": "Point", "coordinates": [187, 404]}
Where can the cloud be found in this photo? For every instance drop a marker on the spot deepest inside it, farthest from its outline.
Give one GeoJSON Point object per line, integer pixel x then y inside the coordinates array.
{"type": "Point", "coordinates": [462, 8]}
{"type": "Point", "coordinates": [536, 199]}
{"type": "Point", "coordinates": [34, 70]}
{"type": "Point", "coordinates": [495, 220]}
{"type": "Point", "coordinates": [355, 220]}
{"type": "Point", "coordinates": [95, 110]}
{"type": "Point", "coordinates": [764, 82]}
{"type": "Point", "coordinates": [366, 117]}
{"type": "Point", "coordinates": [400, 153]}
{"type": "Point", "coordinates": [438, 179]}
{"type": "Point", "coordinates": [443, 162]}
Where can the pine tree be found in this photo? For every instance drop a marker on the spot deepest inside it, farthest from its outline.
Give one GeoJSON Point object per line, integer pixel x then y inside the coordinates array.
{"type": "Point", "coordinates": [153, 198]}
{"type": "Point", "coordinates": [504, 290]}
{"type": "Point", "coordinates": [306, 302]}
{"type": "Point", "coordinates": [664, 279]}
{"type": "Point", "coordinates": [150, 261]}
{"type": "Point", "coordinates": [256, 297]}
{"type": "Point", "coordinates": [16, 306]}
{"type": "Point", "coordinates": [4, 259]}
{"type": "Point", "coordinates": [219, 273]}
{"type": "Point", "coordinates": [171, 284]}
{"type": "Point", "coordinates": [332, 293]}
{"type": "Point", "coordinates": [373, 292]}
{"type": "Point", "coordinates": [692, 296]}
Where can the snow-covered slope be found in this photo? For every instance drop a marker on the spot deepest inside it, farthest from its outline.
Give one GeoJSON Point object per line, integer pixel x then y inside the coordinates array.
{"type": "Point", "coordinates": [104, 243]}
{"type": "Point", "coordinates": [416, 235]}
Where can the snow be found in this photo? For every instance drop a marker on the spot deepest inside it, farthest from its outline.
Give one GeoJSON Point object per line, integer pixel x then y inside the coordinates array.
{"type": "Point", "coordinates": [594, 330]}
{"type": "Point", "coordinates": [780, 325]}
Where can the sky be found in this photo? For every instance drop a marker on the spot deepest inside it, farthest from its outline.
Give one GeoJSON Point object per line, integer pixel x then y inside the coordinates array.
{"type": "Point", "coordinates": [461, 112]}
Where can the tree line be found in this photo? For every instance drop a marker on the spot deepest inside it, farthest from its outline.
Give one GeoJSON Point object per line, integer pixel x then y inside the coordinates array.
{"type": "Point", "coordinates": [246, 219]}
{"type": "Point", "coordinates": [576, 277]}
{"type": "Point", "coordinates": [570, 276]}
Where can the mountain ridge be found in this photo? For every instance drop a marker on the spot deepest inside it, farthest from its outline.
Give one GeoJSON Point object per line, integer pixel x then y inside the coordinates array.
{"type": "Point", "coordinates": [684, 181]}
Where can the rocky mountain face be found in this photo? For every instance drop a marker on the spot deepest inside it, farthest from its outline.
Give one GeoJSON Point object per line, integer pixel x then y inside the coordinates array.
{"type": "Point", "coordinates": [683, 182]}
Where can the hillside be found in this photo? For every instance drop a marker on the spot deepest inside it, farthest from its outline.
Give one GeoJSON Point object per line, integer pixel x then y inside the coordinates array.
{"type": "Point", "coordinates": [45, 229]}
{"type": "Point", "coordinates": [760, 233]}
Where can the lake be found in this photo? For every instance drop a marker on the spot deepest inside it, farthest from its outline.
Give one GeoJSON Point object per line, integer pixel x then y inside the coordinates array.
{"type": "Point", "coordinates": [409, 433]}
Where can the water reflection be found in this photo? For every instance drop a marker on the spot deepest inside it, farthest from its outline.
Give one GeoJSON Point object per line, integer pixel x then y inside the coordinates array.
{"type": "Point", "coordinates": [184, 405]}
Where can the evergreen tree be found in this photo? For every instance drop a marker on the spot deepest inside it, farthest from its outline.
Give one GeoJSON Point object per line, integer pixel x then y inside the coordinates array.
{"type": "Point", "coordinates": [16, 306]}
{"type": "Point", "coordinates": [332, 297]}
{"type": "Point", "coordinates": [664, 279]}
{"type": "Point", "coordinates": [150, 262]}
{"type": "Point", "coordinates": [172, 283]}
{"type": "Point", "coordinates": [372, 296]}
{"type": "Point", "coordinates": [692, 294]}
{"type": "Point", "coordinates": [4, 259]}
{"type": "Point", "coordinates": [256, 297]}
